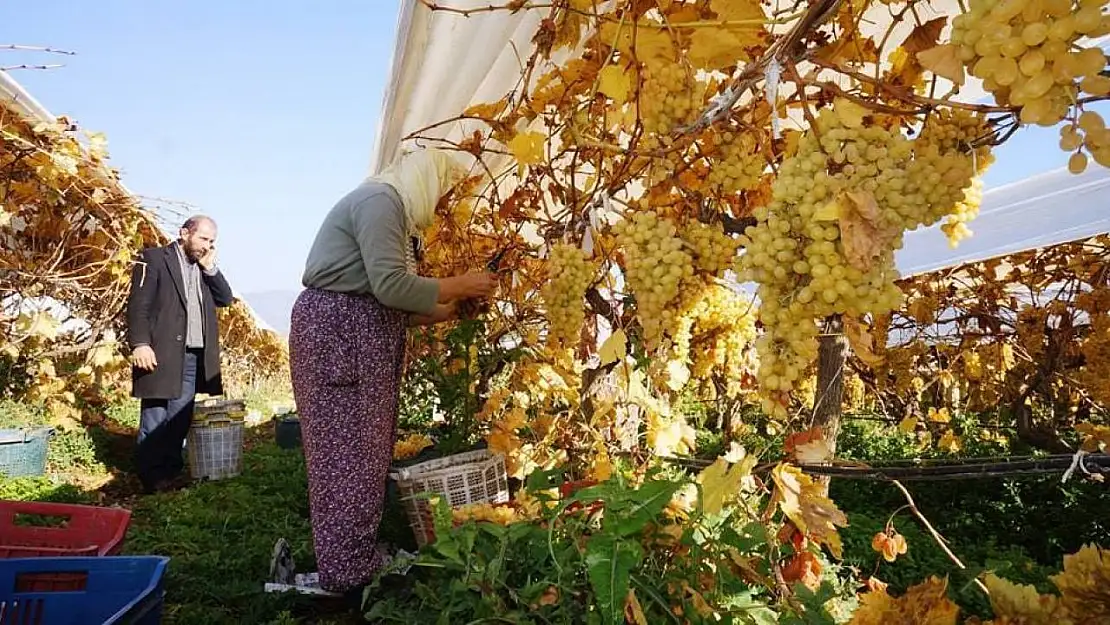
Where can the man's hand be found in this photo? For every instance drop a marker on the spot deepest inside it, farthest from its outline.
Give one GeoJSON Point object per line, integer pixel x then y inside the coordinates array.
{"type": "Point", "coordinates": [143, 358]}
{"type": "Point", "coordinates": [208, 261]}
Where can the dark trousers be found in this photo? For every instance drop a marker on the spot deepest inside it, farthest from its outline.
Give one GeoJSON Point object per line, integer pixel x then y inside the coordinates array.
{"type": "Point", "coordinates": [164, 424]}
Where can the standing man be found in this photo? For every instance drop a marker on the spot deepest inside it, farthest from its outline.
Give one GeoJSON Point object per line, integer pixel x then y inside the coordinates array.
{"type": "Point", "coordinates": [175, 344]}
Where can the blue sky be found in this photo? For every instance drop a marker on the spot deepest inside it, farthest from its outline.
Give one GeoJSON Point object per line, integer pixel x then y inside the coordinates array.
{"type": "Point", "coordinates": [260, 114]}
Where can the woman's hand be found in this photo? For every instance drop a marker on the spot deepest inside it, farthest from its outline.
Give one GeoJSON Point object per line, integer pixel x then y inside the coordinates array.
{"type": "Point", "coordinates": [478, 284]}
{"type": "Point", "coordinates": [442, 312]}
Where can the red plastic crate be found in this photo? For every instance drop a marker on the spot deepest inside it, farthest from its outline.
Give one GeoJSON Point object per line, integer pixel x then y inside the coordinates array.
{"type": "Point", "coordinates": [74, 531]}
{"type": "Point", "coordinates": [83, 530]}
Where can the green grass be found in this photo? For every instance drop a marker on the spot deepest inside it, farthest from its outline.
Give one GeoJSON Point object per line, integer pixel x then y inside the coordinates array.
{"type": "Point", "coordinates": [219, 536]}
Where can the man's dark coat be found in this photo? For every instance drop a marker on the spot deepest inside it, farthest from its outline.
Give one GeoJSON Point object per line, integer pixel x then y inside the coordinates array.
{"type": "Point", "coordinates": [156, 317]}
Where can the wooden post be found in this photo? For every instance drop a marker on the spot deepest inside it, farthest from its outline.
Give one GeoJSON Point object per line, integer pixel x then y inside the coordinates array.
{"type": "Point", "coordinates": [832, 359]}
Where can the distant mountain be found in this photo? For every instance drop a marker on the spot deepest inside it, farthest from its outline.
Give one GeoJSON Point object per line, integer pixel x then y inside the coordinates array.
{"type": "Point", "coordinates": [274, 307]}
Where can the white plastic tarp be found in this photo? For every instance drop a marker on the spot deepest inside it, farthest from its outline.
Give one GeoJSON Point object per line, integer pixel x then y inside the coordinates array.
{"type": "Point", "coordinates": [1051, 208]}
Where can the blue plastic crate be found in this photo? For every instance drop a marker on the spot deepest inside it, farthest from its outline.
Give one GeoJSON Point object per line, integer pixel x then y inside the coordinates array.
{"type": "Point", "coordinates": [82, 590]}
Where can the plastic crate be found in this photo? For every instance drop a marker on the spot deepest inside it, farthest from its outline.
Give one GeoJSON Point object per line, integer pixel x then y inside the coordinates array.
{"type": "Point", "coordinates": [215, 449]}
{"type": "Point", "coordinates": [23, 452]}
{"type": "Point", "coordinates": [115, 590]}
{"type": "Point", "coordinates": [86, 530]}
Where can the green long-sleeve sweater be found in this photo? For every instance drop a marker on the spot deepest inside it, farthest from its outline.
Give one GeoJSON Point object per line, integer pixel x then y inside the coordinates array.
{"type": "Point", "coordinates": [360, 248]}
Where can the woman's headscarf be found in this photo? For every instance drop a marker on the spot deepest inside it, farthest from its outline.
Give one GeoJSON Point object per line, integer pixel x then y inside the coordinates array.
{"type": "Point", "coordinates": [421, 178]}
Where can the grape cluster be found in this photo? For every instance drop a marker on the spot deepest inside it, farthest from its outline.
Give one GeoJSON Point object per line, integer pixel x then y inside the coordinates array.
{"type": "Point", "coordinates": [485, 512]}
{"type": "Point", "coordinates": [411, 445]}
{"type": "Point", "coordinates": [796, 251]}
{"type": "Point", "coordinates": [955, 228]}
{"type": "Point", "coordinates": [713, 249]}
{"type": "Point", "coordinates": [670, 97]}
{"type": "Point", "coordinates": [1087, 134]}
{"type": "Point", "coordinates": [1027, 54]}
{"type": "Point", "coordinates": [721, 328]}
{"type": "Point", "coordinates": [569, 274]}
{"type": "Point", "coordinates": [963, 137]}
{"type": "Point", "coordinates": [655, 264]}
{"type": "Point", "coordinates": [737, 164]}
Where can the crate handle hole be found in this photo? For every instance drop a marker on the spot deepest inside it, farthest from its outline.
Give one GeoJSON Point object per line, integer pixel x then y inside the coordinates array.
{"type": "Point", "coordinates": [42, 520]}
{"type": "Point", "coordinates": [52, 581]}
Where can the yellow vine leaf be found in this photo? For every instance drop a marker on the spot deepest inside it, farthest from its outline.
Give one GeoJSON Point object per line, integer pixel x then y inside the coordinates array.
{"type": "Point", "coordinates": [950, 442]}
{"type": "Point", "coordinates": [5, 218]}
{"type": "Point", "coordinates": [102, 355]}
{"type": "Point", "coordinates": [907, 425]}
{"type": "Point", "coordinates": [1085, 584]}
{"type": "Point", "coordinates": [633, 612]}
{"type": "Point", "coordinates": [42, 324]}
{"type": "Point", "coordinates": [718, 48]}
{"type": "Point", "coordinates": [1095, 437]}
{"type": "Point", "coordinates": [487, 110]}
{"type": "Point", "coordinates": [614, 348]}
{"type": "Point", "coordinates": [615, 83]}
{"type": "Point", "coordinates": [849, 113]}
{"type": "Point", "coordinates": [653, 44]}
{"type": "Point", "coordinates": [862, 230]}
{"type": "Point", "coordinates": [905, 70]}
{"type": "Point", "coordinates": [926, 603]}
{"type": "Point", "coordinates": [938, 416]}
{"type": "Point", "coordinates": [803, 501]}
{"type": "Point", "coordinates": [719, 482]}
{"type": "Point", "coordinates": [527, 147]}
{"type": "Point", "coordinates": [944, 61]}
{"type": "Point", "coordinates": [732, 10]}
{"type": "Point", "coordinates": [828, 212]}
{"type": "Point", "coordinates": [1023, 604]}
{"type": "Point", "coordinates": [862, 342]}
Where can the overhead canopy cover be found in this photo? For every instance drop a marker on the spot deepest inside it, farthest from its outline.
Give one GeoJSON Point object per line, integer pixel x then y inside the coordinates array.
{"type": "Point", "coordinates": [444, 62]}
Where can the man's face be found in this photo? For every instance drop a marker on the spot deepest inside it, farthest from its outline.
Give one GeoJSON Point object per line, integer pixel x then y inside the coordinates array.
{"type": "Point", "coordinates": [198, 242]}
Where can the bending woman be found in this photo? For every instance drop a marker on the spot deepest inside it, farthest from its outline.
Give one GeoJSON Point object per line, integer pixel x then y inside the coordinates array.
{"type": "Point", "coordinates": [346, 347]}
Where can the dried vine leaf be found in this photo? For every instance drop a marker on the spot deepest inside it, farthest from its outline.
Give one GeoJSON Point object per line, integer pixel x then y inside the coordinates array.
{"type": "Point", "coordinates": [1085, 583]}
{"type": "Point", "coordinates": [803, 567]}
{"type": "Point", "coordinates": [803, 501]}
{"type": "Point", "coordinates": [925, 36]}
{"type": "Point", "coordinates": [1022, 603]}
{"type": "Point", "coordinates": [944, 61]}
{"type": "Point", "coordinates": [926, 603]}
{"type": "Point", "coordinates": [863, 344]}
{"type": "Point", "coordinates": [862, 229]}
{"type": "Point", "coordinates": [633, 612]}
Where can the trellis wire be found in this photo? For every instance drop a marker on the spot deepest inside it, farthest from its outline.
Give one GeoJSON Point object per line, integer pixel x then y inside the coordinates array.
{"type": "Point", "coordinates": [939, 470]}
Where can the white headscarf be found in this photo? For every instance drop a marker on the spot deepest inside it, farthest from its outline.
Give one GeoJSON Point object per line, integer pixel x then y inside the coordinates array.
{"type": "Point", "coordinates": [421, 178]}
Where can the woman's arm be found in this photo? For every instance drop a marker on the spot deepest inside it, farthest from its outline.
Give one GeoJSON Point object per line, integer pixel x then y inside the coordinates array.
{"type": "Point", "coordinates": [379, 226]}
{"type": "Point", "coordinates": [442, 312]}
